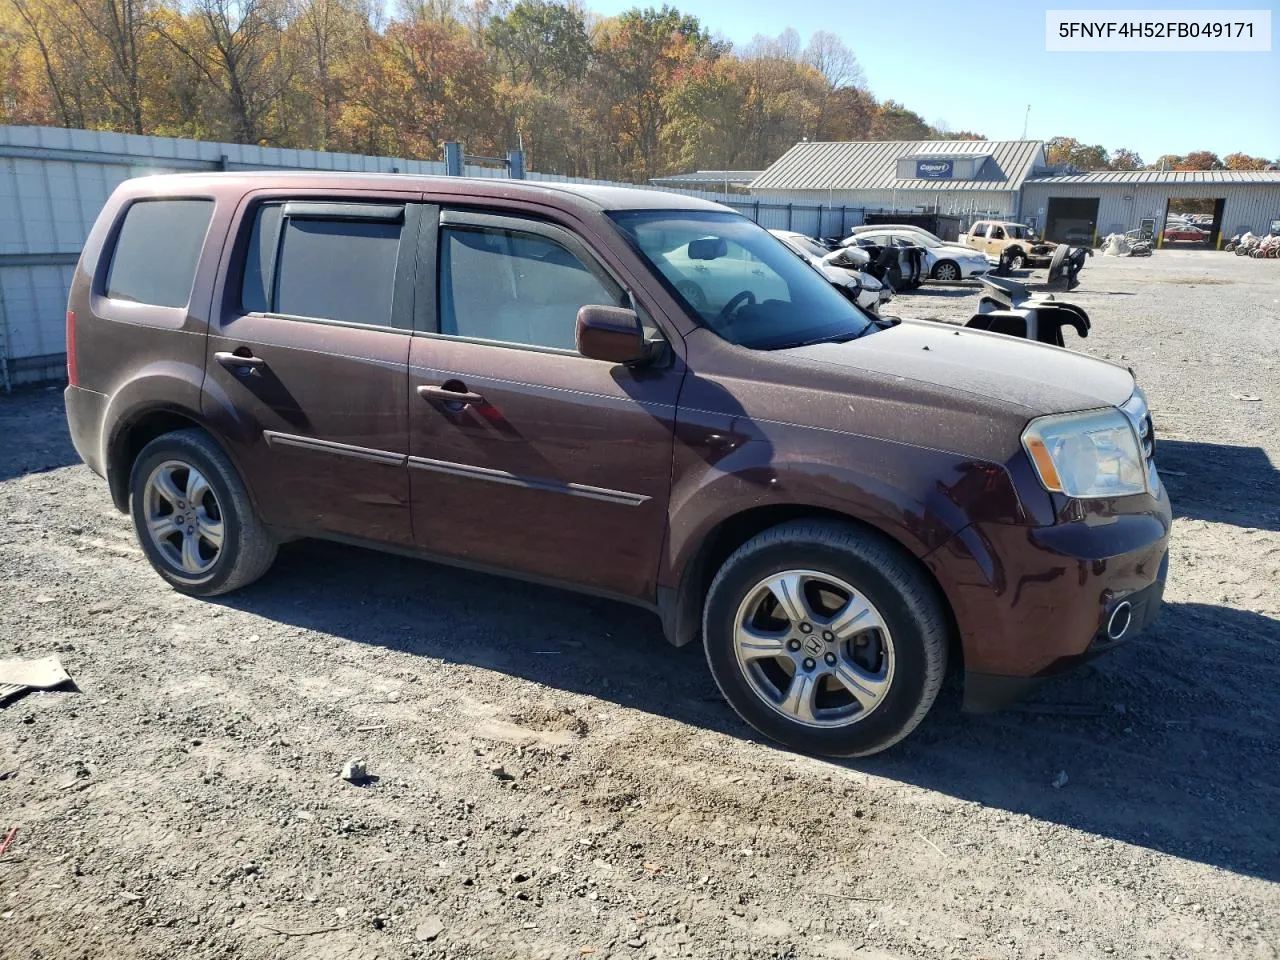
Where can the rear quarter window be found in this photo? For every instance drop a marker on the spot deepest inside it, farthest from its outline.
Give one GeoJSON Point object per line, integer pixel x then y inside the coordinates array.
{"type": "Point", "coordinates": [157, 251]}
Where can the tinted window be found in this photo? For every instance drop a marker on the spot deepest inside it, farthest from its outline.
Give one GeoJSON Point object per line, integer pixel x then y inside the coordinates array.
{"type": "Point", "coordinates": [997, 233]}
{"type": "Point", "coordinates": [157, 251]}
{"type": "Point", "coordinates": [514, 287]}
{"type": "Point", "coordinates": [337, 270]}
{"type": "Point", "coordinates": [260, 263]}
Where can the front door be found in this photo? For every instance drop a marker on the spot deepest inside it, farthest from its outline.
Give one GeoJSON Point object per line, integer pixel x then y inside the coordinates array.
{"type": "Point", "coordinates": [307, 364]}
{"type": "Point", "coordinates": [523, 454]}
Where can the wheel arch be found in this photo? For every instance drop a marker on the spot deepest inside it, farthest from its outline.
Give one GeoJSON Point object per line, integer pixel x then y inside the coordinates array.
{"type": "Point", "coordinates": [136, 431]}
{"type": "Point", "coordinates": [680, 607]}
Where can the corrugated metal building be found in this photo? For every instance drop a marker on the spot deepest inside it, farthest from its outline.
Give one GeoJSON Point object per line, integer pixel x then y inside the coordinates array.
{"type": "Point", "coordinates": [1250, 198]}
{"type": "Point", "coordinates": [957, 177]}
{"type": "Point", "coordinates": [980, 179]}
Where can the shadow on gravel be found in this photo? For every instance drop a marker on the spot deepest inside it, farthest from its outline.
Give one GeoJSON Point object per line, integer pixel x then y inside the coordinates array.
{"type": "Point", "coordinates": [1221, 483]}
{"type": "Point", "coordinates": [1168, 743]}
{"type": "Point", "coordinates": [36, 416]}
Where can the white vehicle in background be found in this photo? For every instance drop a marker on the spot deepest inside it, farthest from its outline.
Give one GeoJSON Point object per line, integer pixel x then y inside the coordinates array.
{"type": "Point", "coordinates": [843, 267]}
{"type": "Point", "coordinates": [943, 261]}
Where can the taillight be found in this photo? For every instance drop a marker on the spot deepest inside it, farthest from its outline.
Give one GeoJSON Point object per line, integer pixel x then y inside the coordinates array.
{"type": "Point", "coordinates": [73, 375]}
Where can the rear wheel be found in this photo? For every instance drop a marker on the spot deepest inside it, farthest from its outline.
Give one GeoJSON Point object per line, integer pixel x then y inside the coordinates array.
{"type": "Point", "coordinates": [825, 638]}
{"type": "Point", "coordinates": [193, 517]}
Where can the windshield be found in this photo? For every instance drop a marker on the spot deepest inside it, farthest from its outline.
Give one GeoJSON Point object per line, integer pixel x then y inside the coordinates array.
{"type": "Point", "coordinates": [740, 281]}
{"type": "Point", "coordinates": [811, 247]}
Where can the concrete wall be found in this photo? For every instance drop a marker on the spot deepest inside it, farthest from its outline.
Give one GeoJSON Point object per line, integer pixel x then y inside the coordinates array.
{"type": "Point", "coordinates": [1248, 206]}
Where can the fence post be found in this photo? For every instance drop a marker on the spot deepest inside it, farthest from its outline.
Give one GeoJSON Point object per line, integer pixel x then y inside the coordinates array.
{"type": "Point", "coordinates": [789, 216]}
{"type": "Point", "coordinates": [757, 212]}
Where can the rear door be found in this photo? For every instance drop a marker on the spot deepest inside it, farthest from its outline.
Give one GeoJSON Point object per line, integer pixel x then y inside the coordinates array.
{"type": "Point", "coordinates": [308, 359]}
{"type": "Point", "coordinates": [524, 454]}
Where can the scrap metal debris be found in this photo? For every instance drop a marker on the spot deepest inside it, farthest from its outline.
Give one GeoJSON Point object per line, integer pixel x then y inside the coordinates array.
{"type": "Point", "coordinates": [20, 676]}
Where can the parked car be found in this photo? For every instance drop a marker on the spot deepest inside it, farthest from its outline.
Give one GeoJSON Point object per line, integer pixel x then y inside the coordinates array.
{"type": "Point", "coordinates": [848, 276]}
{"type": "Point", "coordinates": [1016, 243]}
{"type": "Point", "coordinates": [1185, 232]}
{"type": "Point", "coordinates": [519, 377]}
{"type": "Point", "coordinates": [942, 261]}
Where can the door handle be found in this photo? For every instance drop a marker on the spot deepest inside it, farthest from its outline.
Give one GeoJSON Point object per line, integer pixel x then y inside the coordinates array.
{"type": "Point", "coordinates": [238, 364]}
{"type": "Point", "coordinates": [444, 394]}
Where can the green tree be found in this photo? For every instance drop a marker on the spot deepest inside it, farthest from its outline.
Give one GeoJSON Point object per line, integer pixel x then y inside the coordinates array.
{"type": "Point", "coordinates": [544, 44]}
{"type": "Point", "coordinates": [893, 121]}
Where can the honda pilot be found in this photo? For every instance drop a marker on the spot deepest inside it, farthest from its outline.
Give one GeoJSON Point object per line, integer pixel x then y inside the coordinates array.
{"type": "Point", "coordinates": [623, 392]}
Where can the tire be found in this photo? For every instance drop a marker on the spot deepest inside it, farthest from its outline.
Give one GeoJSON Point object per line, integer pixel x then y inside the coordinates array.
{"type": "Point", "coordinates": [948, 271]}
{"type": "Point", "coordinates": [894, 650]}
{"type": "Point", "coordinates": [220, 544]}
{"type": "Point", "coordinates": [1017, 259]}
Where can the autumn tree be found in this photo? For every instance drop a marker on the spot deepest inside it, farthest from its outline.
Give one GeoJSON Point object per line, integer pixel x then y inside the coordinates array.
{"type": "Point", "coordinates": [1242, 161]}
{"type": "Point", "coordinates": [1200, 160]}
{"type": "Point", "coordinates": [423, 83]}
{"type": "Point", "coordinates": [1068, 150]}
{"type": "Point", "coordinates": [235, 45]}
{"type": "Point", "coordinates": [1123, 159]}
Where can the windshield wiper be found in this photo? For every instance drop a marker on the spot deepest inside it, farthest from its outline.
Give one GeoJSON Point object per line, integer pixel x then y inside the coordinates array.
{"type": "Point", "coordinates": [842, 338]}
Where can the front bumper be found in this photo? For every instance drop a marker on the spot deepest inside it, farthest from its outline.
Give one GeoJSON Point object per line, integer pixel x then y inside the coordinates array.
{"type": "Point", "coordinates": [1031, 601]}
{"type": "Point", "coordinates": [970, 271]}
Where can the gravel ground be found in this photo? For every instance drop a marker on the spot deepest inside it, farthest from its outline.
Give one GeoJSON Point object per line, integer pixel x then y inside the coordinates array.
{"type": "Point", "coordinates": [552, 780]}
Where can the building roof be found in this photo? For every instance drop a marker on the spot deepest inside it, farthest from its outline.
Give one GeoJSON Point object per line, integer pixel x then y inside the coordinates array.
{"type": "Point", "coordinates": [1163, 176]}
{"type": "Point", "coordinates": [873, 165]}
{"type": "Point", "coordinates": [739, 178]}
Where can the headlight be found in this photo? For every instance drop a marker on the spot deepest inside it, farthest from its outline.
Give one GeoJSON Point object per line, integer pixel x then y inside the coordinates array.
{"type": "Point", "coordinates": [1087, 455]}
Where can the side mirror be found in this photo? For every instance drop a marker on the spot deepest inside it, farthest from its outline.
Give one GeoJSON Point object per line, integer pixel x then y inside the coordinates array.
{"type": "Point", "coordinates": [612, 334]}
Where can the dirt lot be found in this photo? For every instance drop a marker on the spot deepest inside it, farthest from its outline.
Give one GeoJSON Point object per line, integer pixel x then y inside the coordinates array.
{"type": "Point", "coordinates": [554, 781]}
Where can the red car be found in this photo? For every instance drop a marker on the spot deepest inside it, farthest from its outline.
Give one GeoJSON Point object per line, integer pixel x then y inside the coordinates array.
{"type": "Point", "coordinates": [1185, 232]}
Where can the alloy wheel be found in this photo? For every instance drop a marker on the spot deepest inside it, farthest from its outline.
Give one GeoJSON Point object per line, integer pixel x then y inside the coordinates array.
{"type": "Point", "coordinates": [814, 648]}
{"type": "Point", "coordinates": [948, 273]}
{"type": "Point", "coordinates": [183, 518]}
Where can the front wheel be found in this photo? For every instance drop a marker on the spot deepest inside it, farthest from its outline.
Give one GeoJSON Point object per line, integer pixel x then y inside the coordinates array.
{"type": "Point", "coordinates": [826, 638]}
{"type": "Point", "coordinates": [946, 271]}
{"type": "Point", "coordinates": [1017, 260]}
{"type": "Point", "coordinates": [193, 517]}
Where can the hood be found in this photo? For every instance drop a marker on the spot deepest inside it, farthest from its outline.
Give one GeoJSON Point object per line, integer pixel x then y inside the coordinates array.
{"type": "Point", "coordinates": [1036, 377]}
{"type": "Point", "coordinates": [955, 250]}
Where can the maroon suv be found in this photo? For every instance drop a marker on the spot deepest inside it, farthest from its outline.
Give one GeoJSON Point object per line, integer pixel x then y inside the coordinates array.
{"type": "Point", "coordinates": [619, 391]}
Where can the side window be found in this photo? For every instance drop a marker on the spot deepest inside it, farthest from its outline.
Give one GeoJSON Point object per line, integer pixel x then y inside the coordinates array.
{"type": "Point", "coordinates": [514, 287]}
{"type": "Point", "coordinates": [303, 263]}
{"type": "Point", "coordinates": [157, 251]}
{"type": "Point", "coordinates": [997, 233]}
{"type": "Point", "coordinates": [978, 230]}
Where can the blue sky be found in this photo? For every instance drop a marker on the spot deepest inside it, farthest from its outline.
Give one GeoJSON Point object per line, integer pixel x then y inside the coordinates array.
{"type": "Point", "coordinates": [977, 64]}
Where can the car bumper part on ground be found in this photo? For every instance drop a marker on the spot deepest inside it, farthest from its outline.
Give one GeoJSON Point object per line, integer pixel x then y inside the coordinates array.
{"type": "Point", "coordinates": [1030, 602]}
